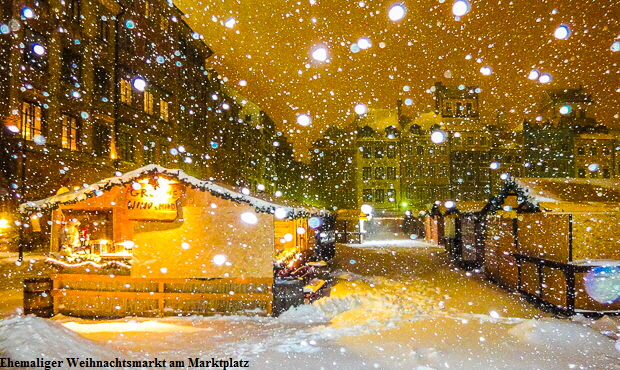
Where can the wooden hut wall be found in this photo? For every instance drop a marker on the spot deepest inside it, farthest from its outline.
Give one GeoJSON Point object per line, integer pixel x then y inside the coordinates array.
{"type": "Point", "coordinates": [499, 264]}
{"type": "Point", "coordinates": [545, 235]}
{"type": "Point", "coordinates": [211, 226]}
{"type": "Point", "coordinates": [595, 236]}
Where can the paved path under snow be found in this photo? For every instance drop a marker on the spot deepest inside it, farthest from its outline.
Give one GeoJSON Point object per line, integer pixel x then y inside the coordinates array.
{"type": "Point", "coordinates": [396, 305]}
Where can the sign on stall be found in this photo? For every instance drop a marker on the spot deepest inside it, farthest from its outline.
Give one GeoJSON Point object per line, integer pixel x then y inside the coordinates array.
{"type": "Point", "coordinates": [153, 200]}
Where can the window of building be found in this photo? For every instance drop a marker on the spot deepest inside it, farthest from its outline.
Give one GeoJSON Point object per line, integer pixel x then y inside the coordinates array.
{"type": "Point", "coordinates": [459, 108]}
{"type": "Point", "coordinates": [379, 173]}
{"type": "Point", "coordinates": [367, 195]}
{"type": "Point", "coordinates": [35, 51]}
{"type": "Point", "coordinates": [101, 140]}
{"type": "Point", "coordinates": [391, 195]}
{"type": "Point", "coordinates": [31, 120]}
{"type": "Point", "coordinates": [409, 149]}
{"type": "Point", "coordinates": [366, 173]}
{"type": "Point", "coordinates": [391, 173]}
{"type": "Point", "coordinates": [457, 141]}
{"type": "Point", "coordinates": [70, 132]}
{"type": "Point", "coordinates": [163, 156]}
{"type": "Point", "coordinates": [104, 29]}
{"type": "Point", "coordinates": [75, 11]}
{"type": "Point", "coordinates": [581, 173]}
{"type": "Point", "coordinates": [102, 83]}
{"type": "Point", "coordinates": [594, 174]}
{"type": "Point", "coordinates": [126, 91]}
{"type": "Point", "coordinates": [419, 150]}
{"type": "Point", "coordinates": [470, 141]}
{"type": "Point", "coordinates": [449, 107]}
{"type": "Point", "coordinates": [148, 9]}
{"type": "Point", "coordinates": [379, 151]}
{"type": "Point", "coordinates": [468, 108]}
{"type": "Point", "coordinates": [148, 103]}
{"type": "Point", "coordinates": [164, 114]}
{"type": "Point", "coordinates": [483, 140]}
{"type": "Point", "coordinates": [366, 152]}
{"type": "Point", "coordinates": [605, 151]}
{"type": "Point", "coordinates": [391, 151]}
{"type": "Point", "coordinates": [458, 157]}
{"type": "Point", "coordinates": [71, 66]}
{"type": "Point", "coordinates": [593, 151]}
{"type": "Point", "coordinates": [606, 173]}
{"type": "Point", "coordinates": [148, 156]}
{"type": "Point", "coordinates": [581, 150]}
{"type": "Point", "coordinates": [125, 147]}
{"type": "Point", "coordinates": [163, 22]}
{"type": "Point", "coordinates": [379, 196]}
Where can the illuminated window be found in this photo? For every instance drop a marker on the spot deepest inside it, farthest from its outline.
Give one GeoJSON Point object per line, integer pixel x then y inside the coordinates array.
{"type": "Point", "coordinates": [70, 132]}
{"type": "Point", "coordinates": [126, 92]}
{"type": "Point", "coordinates": [148, 103]}
{"type": "Point", "coordinates": [164, 115]}
{"type": "Point", "coordinates": [148, 9]}
{"type": "Point", "coordinates": [31, 120]}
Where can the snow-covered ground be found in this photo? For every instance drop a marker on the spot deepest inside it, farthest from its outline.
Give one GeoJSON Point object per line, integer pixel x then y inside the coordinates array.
{"type": "Point", "coordinates": [397, 305]}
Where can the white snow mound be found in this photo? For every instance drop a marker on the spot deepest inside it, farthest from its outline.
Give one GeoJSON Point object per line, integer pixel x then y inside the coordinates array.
{"type": "Point", "coordinates": [31, 337]}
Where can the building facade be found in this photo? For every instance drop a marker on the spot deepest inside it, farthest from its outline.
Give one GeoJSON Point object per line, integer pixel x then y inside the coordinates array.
{"type": "Point", "coordinates": [397, 164]}
{"type": "Point", "coordinates": [92, 88]}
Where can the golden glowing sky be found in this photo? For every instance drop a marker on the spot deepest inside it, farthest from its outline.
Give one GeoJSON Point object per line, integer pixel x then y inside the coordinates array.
{"type": "Point", "coordinates": [271, 47]}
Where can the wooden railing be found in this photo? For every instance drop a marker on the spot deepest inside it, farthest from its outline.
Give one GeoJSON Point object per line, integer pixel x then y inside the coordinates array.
{"type": "Point", "coordinates": [107, 296]}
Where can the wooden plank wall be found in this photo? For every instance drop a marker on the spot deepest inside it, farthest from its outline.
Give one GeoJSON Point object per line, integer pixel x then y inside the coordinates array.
{"type": "Point", "coordinates": [117, 296]}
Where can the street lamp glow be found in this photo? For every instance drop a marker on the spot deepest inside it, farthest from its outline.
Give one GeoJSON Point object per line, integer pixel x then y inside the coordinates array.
{"type": "Point", "coordinates": [438, 137]}
{"type": "Point", "coordinates": [504, 176]}
{"type": "Point", "coordinates": [615, 46]}
{"type": "Point", "coordinates": [593, 167]}
{"type": "Point", "coordinates": [14, 129]}
{"type": "Point", "coordinates": [361, 109]}
{"type": "Point", "coordinates": [534, 74]}
{"type": "Point", "coordinates": [396, 12]}
{"type": "Point", "coordinates": [460, 8]}
{"type": "Point", "coordinates": [494, 165]}
{"type": "Point", "coordinates": [450, 204]}
{"type": "Point", "coordinates": [139, 84]}
{"type": "Point", "coordinates": [320, 54]}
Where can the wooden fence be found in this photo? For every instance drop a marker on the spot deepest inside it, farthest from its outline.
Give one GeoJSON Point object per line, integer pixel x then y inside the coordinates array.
{"type": "Point", "coordinates": [118, 296]}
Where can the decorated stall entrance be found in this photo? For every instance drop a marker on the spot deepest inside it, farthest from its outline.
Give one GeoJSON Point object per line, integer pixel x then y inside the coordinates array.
{"type": "Point", "coordinates": [157, 242]}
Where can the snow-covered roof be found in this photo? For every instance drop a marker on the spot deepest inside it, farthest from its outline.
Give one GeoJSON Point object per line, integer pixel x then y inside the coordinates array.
{"type": "Point", "coordinates": [556, 190]}
{"type": "Point", "coordinates": [220, 191]}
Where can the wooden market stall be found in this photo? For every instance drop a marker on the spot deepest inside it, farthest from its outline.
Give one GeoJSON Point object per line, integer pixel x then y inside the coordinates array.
{"type": "Point", "coordinates": [157, 242]}
{"type": "Point", "coordinates": [561, 246]}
